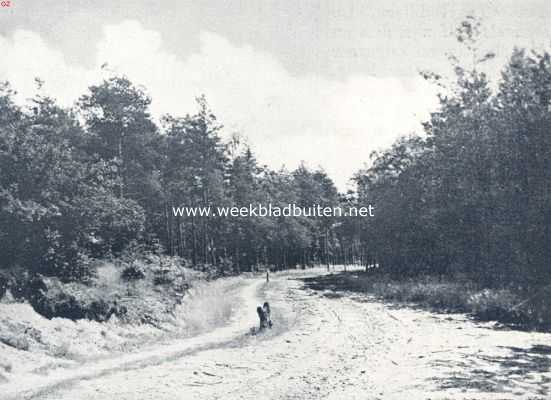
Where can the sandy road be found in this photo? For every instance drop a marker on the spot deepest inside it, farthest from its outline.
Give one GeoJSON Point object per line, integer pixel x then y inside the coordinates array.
{"type": "Point", "coordinates": [330, 347]}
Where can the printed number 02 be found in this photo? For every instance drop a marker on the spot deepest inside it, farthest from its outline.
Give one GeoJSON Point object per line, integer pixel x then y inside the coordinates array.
{"type": "Point", "coordinates": [6, 3]}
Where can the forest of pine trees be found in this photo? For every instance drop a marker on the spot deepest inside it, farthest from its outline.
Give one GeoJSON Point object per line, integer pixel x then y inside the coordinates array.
{"type": "Point", "coordinates": [101, 178]}
{"type": "Point", "coordinates": [470, 197]}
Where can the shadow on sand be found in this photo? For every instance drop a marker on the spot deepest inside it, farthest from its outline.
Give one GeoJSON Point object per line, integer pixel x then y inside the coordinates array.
{"type": "Point", "coordinates": [500, 374]}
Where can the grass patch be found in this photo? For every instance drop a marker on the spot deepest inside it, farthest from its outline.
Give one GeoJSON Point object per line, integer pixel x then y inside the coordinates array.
{"type": "Point", "coordinates": [523, 307]}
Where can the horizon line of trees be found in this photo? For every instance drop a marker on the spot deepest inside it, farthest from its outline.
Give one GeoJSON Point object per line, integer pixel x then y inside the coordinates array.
{"type": "Point", "coordinates": [468, 198]}
{"type": "Point", "coordinates": [101, 179]}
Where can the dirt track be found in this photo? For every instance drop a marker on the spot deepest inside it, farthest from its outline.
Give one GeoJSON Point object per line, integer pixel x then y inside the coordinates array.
{"type": "Point", "coordinates": [324, 346]}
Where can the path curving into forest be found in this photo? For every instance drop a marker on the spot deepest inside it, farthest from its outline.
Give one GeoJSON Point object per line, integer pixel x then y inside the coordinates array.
{"type": "Point", "coordinates": [329, 346]}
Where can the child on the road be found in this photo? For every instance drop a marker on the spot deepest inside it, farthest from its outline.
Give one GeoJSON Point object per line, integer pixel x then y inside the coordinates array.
{"type": "Point", "coordinates": [262, 317]}
{"type": "Point", "coordinates": [267, 312]}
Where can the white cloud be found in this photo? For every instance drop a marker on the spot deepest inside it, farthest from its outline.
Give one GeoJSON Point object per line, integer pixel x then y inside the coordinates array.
{"type": "Point", "coordinates": [335, 124]}
{"type": "Point", "coordinates": [26, 56]}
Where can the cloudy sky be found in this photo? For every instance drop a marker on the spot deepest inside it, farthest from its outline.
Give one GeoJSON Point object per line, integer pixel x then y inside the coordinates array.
{"type": "Point", "coordinates": [325, 82]}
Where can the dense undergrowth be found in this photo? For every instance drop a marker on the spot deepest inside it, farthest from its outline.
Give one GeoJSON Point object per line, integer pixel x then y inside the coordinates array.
{"type": "Point", "coordinates": [143, 290]}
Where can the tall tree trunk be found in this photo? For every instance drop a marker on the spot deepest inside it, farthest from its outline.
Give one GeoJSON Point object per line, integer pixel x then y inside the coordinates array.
{"type": "Point", "coordinates": [194, 245]}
